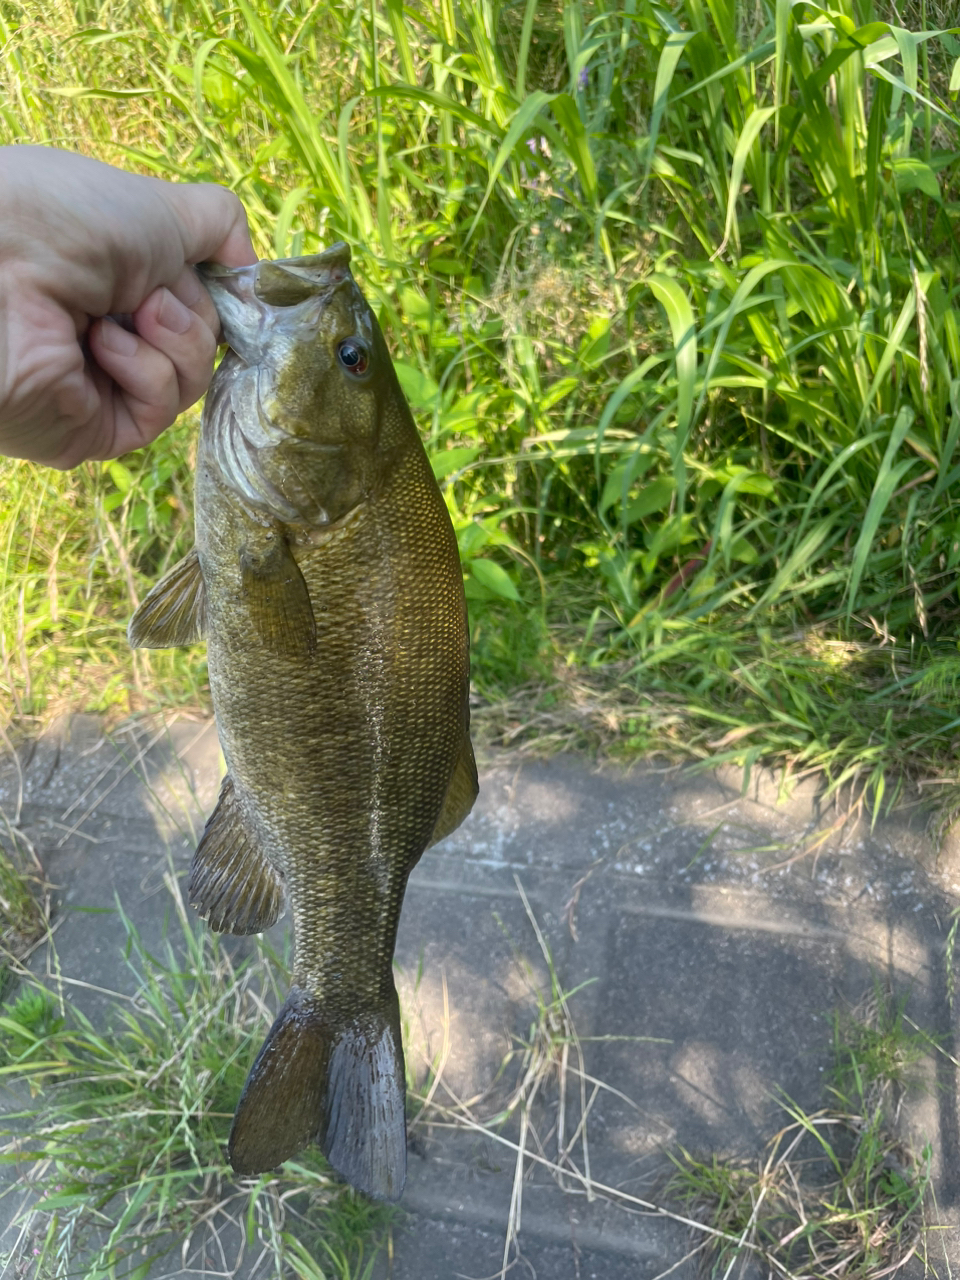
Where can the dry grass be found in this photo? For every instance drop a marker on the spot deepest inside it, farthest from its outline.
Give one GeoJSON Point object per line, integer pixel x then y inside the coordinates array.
{"type": "Point", "coordinates": [117, 1133]}
{"type": "Point", "coordinates": [836, 1193]}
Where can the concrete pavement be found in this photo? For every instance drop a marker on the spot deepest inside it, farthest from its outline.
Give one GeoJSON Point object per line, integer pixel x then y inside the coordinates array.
{"type": "Point", "coordinates": [714, 953]}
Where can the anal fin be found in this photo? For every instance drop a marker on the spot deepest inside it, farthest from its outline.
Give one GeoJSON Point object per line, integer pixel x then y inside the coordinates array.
{"type": "Point", "coordinates": [232, 884]}
{"type": "Point", "coordinates": [172, 614]}
{"type": "Point", "coordinates": [462, 791]}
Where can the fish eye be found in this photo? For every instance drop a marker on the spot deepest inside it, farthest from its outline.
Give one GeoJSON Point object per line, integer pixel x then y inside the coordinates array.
{"type": "Point", "coordinates": [353, 356]}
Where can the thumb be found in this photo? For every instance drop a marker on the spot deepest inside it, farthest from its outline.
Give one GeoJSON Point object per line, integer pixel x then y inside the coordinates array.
{"type": "Point", "coordinates": [213, 224]}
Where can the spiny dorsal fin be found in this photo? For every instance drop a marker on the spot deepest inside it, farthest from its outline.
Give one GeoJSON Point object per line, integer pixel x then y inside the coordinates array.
{"type": "Point", "coordinates": [278, 599]}
{"type": "Point", "coordinates": [173, 613]}
{"type": "Point", "coordinates": [232, 884]}
{"type": "Point", "coordinates": [461, 793]}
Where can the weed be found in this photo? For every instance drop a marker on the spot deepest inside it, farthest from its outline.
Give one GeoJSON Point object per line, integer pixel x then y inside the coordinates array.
{"type": "Point", "coordinates": [836, 1193]}
{"type": "Point", "coordinates": [543, 1094]}
{"type": "Point", "coordinates": [23, 907]}
{"type": "Point", "coordinates": [672, 295]}
{"type": "Point", "coordinates": [949, 956]}
{"type": "Point", "coordinates": [24, 900]}
{"type": "Point", "coordinates": [119, 1134]}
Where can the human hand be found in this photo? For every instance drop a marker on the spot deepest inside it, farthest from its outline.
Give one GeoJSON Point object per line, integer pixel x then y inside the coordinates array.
{"type": "Point", "coordinates": [81, 241]}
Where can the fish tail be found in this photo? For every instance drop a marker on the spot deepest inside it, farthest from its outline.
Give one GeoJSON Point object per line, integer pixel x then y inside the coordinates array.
{"type": "Point", "coordinates": [338, 1082]}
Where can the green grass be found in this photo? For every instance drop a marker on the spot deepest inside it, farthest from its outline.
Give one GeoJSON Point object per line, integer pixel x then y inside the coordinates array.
{"type": "Point", "coordinates": [24, 898]}
{"type": "Point", "coordinates": [673, 293]}
{"type": "Point", "coordinates": [121, 1129]}
{"type": "Point", "coordinates": [836, 1193]}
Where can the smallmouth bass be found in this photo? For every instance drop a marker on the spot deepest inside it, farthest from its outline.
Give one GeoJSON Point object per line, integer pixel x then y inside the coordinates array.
{"type": "Point", "coordinates": [327, 583]}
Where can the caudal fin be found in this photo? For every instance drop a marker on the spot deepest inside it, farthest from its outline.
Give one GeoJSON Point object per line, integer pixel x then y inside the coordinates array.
{"type": "Point", "coordinates": [341, 1085]}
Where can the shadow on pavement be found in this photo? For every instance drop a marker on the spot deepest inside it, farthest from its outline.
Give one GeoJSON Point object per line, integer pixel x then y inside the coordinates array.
{"type": "Point", "coordinates": [715, 959]}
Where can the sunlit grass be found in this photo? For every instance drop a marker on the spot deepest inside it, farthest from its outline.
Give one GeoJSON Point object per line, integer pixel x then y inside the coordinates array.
{"type": "Point", "coordinates": [672, 292]}
{"type": "Point", "coordinates": [836, 1193]}
{"type": "Point", "coordinates": [118, 1131]}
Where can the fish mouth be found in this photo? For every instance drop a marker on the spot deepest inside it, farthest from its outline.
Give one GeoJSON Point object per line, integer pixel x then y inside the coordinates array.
{"type": "Point", "coordinates": [281, 282]}
{"type": "Point", "coordinates": [245, 297]}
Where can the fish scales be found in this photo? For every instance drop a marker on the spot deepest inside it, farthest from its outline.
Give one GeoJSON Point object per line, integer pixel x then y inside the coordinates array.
{"type": "Point", "coordinates": [327, 583]}
{"type": "Point", "coordinates": [394, 751]}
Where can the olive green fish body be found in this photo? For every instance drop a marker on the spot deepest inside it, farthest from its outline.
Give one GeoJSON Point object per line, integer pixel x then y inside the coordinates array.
{"type": "Point", "coordinates": [327, 582]}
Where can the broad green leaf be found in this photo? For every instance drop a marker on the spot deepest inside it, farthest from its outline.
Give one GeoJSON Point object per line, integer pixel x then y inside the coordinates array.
{"type": "Point", "coordinates": [496, 579]}
{"type": "Point", "coordinates": [747, 481]}
{"type": "Point", "coordinates": [620, 479]}
{"type": "Point", "coordinates": [121, 476]}
{"type": "Point", "coordinates": [199, 65]}
{"type": "Point", "coordinates": [743, 551]}
{"type": "Point", "coordinates": [870, 33]}
{"type": "Point", "coordinates": [419, 388]}
{"type": "Point", "coordinates": [684, 333]}
{"type": "Point", "coordinates": [914, 175]}
{"type": "Point", "coordinates": [559, 391]}
{"type": "Point", "coordinates": [450, 460]}
{"type": "Point", "coordinates": [596, 343]}
{"type": "Point", "coordinates": [655, 496]}
{"type": "Point", "coordinates": [463, 413]}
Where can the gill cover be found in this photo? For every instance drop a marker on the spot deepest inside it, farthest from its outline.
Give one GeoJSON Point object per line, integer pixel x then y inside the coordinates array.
{"type": "Point", "coordinates": [287, 324]}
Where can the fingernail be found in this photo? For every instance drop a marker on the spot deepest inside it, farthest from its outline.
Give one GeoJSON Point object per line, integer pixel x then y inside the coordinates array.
{"type": "Point", "coordinates": [173, 315]}
{"type": "Point", "coordinates": [116, 339]}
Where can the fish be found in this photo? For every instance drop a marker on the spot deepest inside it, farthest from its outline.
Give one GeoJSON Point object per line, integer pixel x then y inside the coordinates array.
{"type": "Point", "coordinates": [327, 584]}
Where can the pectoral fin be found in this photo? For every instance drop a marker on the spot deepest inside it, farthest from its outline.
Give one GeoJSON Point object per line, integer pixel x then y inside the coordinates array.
{"type": "Point", "coordinates": [173, 612]}
{"type": "Point", "coordinates": [232, 885]}
{"type": "Point", "coordinates": [278, 599]}
{"type": "Point", "coordinates": [461, 793]}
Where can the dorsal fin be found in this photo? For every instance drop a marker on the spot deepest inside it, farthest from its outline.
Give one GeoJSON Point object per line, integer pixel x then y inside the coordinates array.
{"type": "Point", "coordinates": [232, 884]}
{"type": "Point", "coordinates": [173, 612]}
